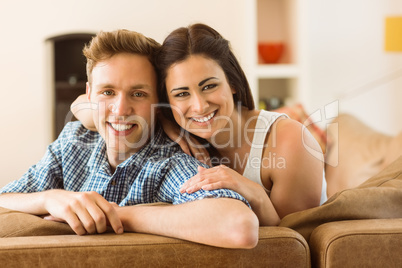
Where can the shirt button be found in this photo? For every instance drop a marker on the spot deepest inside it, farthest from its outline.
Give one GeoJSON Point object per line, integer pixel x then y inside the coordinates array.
{"type": "Point", "coordinates": [113, 183]}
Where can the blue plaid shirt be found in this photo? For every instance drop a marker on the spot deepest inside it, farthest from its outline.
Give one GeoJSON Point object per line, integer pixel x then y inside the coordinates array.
{"type": "Point", "coordinates": [77, 161]}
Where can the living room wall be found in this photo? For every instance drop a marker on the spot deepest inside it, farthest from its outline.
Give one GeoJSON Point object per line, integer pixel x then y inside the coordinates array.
{"type": "Point", "coordinates": [348, 62]}
{"type": "Point", "coordinates": [25, 56]}
{"type": "Point", "coordinates": [345, 54]}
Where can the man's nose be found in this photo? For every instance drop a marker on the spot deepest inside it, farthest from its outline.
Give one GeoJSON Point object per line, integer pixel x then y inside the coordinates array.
{"type": "Point", "coordinates": [122, 106]}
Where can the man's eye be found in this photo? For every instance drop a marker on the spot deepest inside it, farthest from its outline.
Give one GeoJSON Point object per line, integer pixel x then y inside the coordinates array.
{"type": "Point", "coordinates": [138, 94]}
{"type": "Point", "coordinates": [107, 93]}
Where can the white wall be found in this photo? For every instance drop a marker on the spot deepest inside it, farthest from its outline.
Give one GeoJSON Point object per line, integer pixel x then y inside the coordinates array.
{"type": "Point", "coordinates": [348, 62]}
{"type": "Point", "coordinates": [24, 76]}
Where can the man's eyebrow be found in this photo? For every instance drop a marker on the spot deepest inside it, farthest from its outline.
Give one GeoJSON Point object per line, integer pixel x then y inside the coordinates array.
{"type": "Point", "coordinates": [106, 85]}
{"type": "Point", "coordinates": [141, 86]}
{"type": "Point", "coordinates": [136, 86]}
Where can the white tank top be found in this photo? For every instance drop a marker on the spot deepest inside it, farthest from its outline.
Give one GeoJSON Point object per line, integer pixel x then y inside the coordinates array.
{"type": "Point", "coordinates": [253, 167]}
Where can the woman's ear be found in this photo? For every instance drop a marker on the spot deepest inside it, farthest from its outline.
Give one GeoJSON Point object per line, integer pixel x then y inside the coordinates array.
{"type": "Point", "coordinates": [233, 90]}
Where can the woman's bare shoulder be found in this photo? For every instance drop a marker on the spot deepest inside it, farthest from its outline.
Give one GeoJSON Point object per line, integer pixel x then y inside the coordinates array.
{"type": "Point", "coordinates": [292, 139]}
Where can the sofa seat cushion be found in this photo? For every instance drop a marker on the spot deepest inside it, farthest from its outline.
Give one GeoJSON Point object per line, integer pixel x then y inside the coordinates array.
{"type": "Point", "coordinates": [358, 243]}
{"type": "Point", "coordinates": [277, 247]}
{"type": "Point", "coordinates": [380, 197]}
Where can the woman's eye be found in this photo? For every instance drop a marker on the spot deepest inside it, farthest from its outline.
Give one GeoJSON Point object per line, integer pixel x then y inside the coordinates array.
{"type": "Point", "coordinates": [181, 94]}
{"type": "Point", "coordinates": [209, 86]}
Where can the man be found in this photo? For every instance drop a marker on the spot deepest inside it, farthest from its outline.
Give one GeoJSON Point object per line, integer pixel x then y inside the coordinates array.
{"type": "Point", "coordinates": [85, 174]}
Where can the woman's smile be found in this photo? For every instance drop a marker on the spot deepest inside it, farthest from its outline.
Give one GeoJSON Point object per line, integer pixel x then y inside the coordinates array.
{"type": "Point", "coordinates": [204, 119]}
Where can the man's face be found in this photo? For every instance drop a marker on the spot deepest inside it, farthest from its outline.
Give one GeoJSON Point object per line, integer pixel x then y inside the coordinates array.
{"type": "Point", "coordinates": [124, 89]}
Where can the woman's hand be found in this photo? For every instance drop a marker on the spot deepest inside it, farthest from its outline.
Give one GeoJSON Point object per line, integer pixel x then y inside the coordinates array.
{"type": "Point", "coordinates": [224, 177]}
{"type": "Point", "coordinates": [82, 109]}
{"type": "Point", "coordinates": [221, 177]}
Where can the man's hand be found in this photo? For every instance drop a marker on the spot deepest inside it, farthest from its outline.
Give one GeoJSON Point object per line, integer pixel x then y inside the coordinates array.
{"type": "Point", "coordinates": [85, 212]}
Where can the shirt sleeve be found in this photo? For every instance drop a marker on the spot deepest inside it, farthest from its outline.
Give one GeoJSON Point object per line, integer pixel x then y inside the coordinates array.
{"type": "Point", "coordinates": [179, 170]}
{"type": "Point", "coordinates": [46, 174]}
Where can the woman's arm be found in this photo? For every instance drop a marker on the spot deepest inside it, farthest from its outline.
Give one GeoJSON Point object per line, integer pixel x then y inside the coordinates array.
{"type": "Point", "coordinates": [224, 177]}
{"type": "Point", "coordinates": [82, 110]}
{"type": "Point", "coordinates": [297, 174]}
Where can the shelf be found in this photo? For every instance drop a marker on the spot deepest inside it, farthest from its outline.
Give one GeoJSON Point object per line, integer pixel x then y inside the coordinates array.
{"type": "Point", "coordinates": [284, 21]}
{"type": "Point", "coordinates": [67, 85]}
{"type": "Point", "coordinates": [277, 71]}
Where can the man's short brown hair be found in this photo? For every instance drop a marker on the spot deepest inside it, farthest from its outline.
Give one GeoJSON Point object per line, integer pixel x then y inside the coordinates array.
{"type": "Point", "coordinates": [107, 44]}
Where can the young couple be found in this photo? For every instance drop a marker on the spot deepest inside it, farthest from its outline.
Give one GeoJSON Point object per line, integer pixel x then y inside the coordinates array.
{"type": "Point", "coordinates": [92, 180]}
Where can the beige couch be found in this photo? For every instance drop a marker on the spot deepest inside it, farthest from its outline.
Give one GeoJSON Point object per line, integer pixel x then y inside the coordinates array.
{"type": "Point", "coordinates": [355, 227]}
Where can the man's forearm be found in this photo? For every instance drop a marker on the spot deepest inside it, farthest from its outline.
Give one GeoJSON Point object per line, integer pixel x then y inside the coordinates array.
{"type": "Point", "coordinates": [221, 222]}
{"type": "Point", "coordinates": [32, 203]}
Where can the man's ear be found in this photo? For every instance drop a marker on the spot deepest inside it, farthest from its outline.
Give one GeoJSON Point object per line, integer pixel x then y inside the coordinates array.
{"type": "Point", "coordinates": [88, 91]}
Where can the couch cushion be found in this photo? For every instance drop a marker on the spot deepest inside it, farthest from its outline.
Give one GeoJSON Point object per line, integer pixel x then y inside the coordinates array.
{"type": "Point", "coordinates": [358, 243]}
{"type": "Point", "coordinates": [277, 247]}
{"type": "Point", "coordinates": [15, 223]}
{"type": "Point", "coordinates": [380, 197]}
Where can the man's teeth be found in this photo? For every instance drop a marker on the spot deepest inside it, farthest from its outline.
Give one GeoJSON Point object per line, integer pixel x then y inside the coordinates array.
{"type": "Point", "coordinates": [121, 127]}
{"type": "Point", "coordinates": [204, 119]}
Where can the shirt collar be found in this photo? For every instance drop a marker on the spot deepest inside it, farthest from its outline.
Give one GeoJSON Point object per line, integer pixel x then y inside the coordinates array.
{"type": "Point", "coordinates": [139, 158]}
{"type": "Point", "coordinates": [98, 156]}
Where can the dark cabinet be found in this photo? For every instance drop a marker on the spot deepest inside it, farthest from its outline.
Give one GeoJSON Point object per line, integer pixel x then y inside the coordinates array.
{"type": "Point", "coordinates": [69, 74]}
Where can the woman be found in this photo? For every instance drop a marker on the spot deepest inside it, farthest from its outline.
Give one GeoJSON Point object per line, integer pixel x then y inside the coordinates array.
{"type": "Point", "coordinates": [271, 160]}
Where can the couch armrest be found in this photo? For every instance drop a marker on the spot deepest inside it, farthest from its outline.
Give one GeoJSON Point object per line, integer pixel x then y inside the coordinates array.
{"type": "Point", "coordinates": [357, 243]}
{"type": "Point", "coordinates": [277, 247]}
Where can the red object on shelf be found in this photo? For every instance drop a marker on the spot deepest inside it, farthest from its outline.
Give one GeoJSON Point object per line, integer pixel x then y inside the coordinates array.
{"type": "Point", "coordinates": [271, 52]}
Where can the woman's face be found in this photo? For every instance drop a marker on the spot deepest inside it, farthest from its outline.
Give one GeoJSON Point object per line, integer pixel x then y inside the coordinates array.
{"type": "Point", "coordinates": [200, 96]}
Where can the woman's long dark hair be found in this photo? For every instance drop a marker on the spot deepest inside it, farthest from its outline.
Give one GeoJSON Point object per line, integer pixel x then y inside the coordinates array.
{"type": "Point", "coordinates": [200, 39]}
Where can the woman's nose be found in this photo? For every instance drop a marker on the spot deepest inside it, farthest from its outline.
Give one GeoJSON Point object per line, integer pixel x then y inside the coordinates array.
{"type": "Point", "coordinates": [198, 103]}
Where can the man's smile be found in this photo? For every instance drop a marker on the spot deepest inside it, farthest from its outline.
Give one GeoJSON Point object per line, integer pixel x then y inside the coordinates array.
{"type": "Point", "coordinates": [120, 129]}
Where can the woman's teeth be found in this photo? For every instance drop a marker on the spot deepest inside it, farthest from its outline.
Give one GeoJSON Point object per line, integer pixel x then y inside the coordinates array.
{"type": "Point", "coordinates": [204, 119]}
{"type": "Point", "coordinates": [121, 127]}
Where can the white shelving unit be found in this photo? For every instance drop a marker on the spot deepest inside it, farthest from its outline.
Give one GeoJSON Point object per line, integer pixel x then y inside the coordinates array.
{"type": "Point", "coordinates": [285, 21]}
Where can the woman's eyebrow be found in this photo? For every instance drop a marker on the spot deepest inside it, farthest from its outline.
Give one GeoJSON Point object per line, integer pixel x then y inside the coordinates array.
{"type": "Point", "coordinates": [179, 88]}
{"type": "Point", "coordinates": [199, 84]}
{"type": "Point", "coordinates": [205, 80]}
